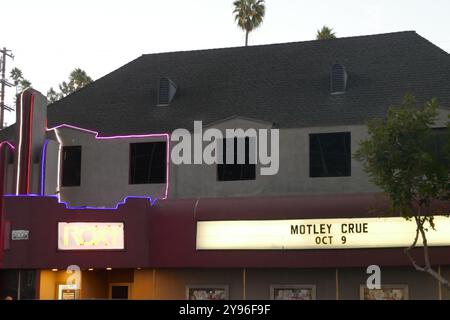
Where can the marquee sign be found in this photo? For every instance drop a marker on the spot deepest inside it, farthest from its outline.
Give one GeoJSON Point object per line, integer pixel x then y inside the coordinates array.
{"type": "Point", "coordinates": [342, 233]}
{"type": "Point", "coordinates": [90, 236]}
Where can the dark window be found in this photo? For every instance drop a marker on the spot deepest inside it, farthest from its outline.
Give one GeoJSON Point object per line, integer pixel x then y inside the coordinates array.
{"type": "Point", "coordinates": [235, 171]}
{"type": "Point", "coordinates": [71, 166]}
{"type": "Point", "coordinates": [119, 292]}
{"type": "Point", "coordinates": [147, 162]}
{"type": "Point", "coordinates": [10, 286]}
{"type": "Point", "coordinates": [329, 155]}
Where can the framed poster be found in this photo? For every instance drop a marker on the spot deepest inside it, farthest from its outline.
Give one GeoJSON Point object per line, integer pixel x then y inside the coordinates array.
{"type": "Point", "coordinates": [386, 292]}
{"type": "Point", "coordinates": [68, 292]}
{"type": "Point", "coordinates": [207, 292]}
{"type": "Point", "coordinates": [292, 292]}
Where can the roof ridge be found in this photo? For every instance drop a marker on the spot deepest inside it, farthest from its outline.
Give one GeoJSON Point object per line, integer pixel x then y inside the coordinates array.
{"type": "Point", "coordinates": [435, 46]}
{"type": "Point", "coordinates": [281, 43]}
{"type": "Point", "coordinates": [94, 81]}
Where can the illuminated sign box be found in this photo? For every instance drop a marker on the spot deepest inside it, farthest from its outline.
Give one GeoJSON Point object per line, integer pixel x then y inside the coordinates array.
{"type": "Point", "coordinates": [339, 233]}
{"type": "Point", "coordinates": [90, 236]}
{"type": "Point", "coordinates": [20, 234]}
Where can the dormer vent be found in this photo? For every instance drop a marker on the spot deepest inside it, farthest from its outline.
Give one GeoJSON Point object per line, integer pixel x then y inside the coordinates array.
{"type": "Point", "coordinates": [166, 91]}
{"type": "Point", "coordinates": [338, 79]}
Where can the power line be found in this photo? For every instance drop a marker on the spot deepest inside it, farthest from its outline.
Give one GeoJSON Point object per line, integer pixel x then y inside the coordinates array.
{"type": "Point", "coordinates": [5, 53]}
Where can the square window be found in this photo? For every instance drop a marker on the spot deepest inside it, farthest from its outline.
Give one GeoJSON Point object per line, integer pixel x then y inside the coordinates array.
{"type": "Point", "coordinates": [147, 162]}
{"type": "Point", "coordinates": [329, 155]}
{"type": "Point", "coordinates": [236, 171]}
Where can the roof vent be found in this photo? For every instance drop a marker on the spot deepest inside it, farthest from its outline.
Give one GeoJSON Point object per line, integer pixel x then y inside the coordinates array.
{"type": "Point", "coordinates": [166, 91]}
{"type": "Point", "coordinates": [338, 79]}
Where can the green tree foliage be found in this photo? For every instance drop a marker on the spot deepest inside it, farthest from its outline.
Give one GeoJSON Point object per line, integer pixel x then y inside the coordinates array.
{"type": "Point", "coordinates": [325, 33]}
{"type": "Point", "coordinates": [249, 15]}
{"type": "Point", "coordinates": [52, 95]}
{"type": "Point", "coordinates": [78, 78]}
{"type": "Point", "coordinates": [410, 162]}
{"type": "Point", "coordinates": [19, 81]}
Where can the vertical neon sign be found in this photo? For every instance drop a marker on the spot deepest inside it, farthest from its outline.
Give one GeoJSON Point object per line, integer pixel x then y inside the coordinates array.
{"type": "Point", "coordinates": [19, 147]}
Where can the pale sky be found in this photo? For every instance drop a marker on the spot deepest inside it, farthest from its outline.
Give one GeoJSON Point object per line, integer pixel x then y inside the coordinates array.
{"type": "Point", "coordinates": [49, 38]}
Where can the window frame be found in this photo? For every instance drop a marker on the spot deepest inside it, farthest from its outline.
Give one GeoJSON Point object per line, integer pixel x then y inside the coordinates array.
{"type": "Point", "coordinates": [311, 287]}
{"type": "Point", "coordinates": [120, 284]}
{"type": "Point", "coordinates": [64, 166]}
{"type": "Point", "coordinates": [403, 287]}
{"type": "Point", "coordinates": [310, 155]}
{"type": "Point", "coordinates": [220, 167]}
{"type": "Point", "coordinates": [223, 287]}
{"type": "Point", "coordinates": [163, 166]}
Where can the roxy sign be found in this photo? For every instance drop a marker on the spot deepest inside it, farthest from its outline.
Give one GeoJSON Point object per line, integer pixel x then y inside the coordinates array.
{"type": "Point", "coordinates": [90, 236]}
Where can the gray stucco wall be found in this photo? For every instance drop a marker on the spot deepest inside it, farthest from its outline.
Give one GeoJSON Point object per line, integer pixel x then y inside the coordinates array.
{"type": "Point", "coordinates": [293, 176]}
{"type": "Point", "coordinates": [51, 166]}
{"type": "Point", "coordinates": [104, 170]}
{"type": "Point", "coordinates": [38, 132]}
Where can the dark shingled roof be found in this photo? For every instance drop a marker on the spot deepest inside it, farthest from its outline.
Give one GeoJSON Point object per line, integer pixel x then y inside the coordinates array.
{"type": "Point", "coordinates": [288, 84]}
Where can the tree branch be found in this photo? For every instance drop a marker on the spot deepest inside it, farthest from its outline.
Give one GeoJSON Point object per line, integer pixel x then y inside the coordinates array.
{"type": "Point", "coordinates": [420, 221]}
{"type": "Point", "coordinates": [408, 250]}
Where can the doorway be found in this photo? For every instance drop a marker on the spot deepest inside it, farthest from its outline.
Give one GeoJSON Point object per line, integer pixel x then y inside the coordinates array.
{"type": "Point", "coordinates": [120, 291]}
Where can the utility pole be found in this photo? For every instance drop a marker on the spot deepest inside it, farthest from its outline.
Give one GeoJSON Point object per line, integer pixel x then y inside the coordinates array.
{"type": "Point", "coordinates": [4, 54]}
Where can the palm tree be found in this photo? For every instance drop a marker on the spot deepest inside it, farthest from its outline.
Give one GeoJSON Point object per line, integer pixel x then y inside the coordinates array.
{"type": "Point", "coordinates": [325, 34]}
{"type": "Point", "coordinates": [17, 75]}
{"type": "Point", "coordinates": [52, 95]}
{"type": "Point", "coordinates": [78, 78]}
{"type": "Point", "coordinates": [249, 15]}
{"type": "Point", "coordinates": [19, 81]}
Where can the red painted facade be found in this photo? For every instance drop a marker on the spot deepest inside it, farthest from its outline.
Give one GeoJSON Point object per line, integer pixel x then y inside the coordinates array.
{"type": "Point", "coordinates": [4, 153]}
{"type": "Point", "coordinates": [164, 235]}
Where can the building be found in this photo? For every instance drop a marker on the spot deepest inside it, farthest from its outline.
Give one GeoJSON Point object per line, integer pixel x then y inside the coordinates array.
{"type": "Point", "coordinates": [89, 181]}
